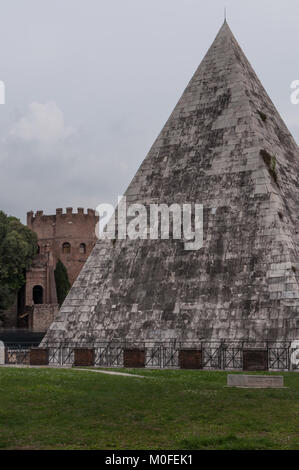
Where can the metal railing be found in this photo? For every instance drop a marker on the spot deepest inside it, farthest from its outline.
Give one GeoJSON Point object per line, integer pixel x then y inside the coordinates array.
{"type": "Point", "coordinates": [18, 353]}
{"type": "Point", "coordinates": [215, 355]}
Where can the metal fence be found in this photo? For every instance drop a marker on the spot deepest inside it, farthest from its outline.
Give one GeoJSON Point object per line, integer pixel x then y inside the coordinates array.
{"type": "Point", "coordinates": [18, 353]}
{"type": "Point", "coordinates": [220, 355]}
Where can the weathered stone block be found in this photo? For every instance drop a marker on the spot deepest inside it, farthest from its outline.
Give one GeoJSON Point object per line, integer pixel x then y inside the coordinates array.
{"type": "Point", "coordinates": [255, 381]}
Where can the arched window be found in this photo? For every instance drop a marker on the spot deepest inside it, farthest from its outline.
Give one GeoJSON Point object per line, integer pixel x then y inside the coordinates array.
{"type": "Point", "coordinates": [82, 248]}
{"type": "Point", "coordinates": [38, 295]}
{"type": "Point", "coordinates": [66, 248]}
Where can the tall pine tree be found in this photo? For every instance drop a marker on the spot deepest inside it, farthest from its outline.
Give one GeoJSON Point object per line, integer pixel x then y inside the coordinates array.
{"type": "Point", "coordinates": [62, 282]}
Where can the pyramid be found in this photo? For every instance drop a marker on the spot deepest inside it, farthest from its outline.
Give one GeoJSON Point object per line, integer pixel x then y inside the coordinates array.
{"type": "Point", "coordinates": [226, 147]}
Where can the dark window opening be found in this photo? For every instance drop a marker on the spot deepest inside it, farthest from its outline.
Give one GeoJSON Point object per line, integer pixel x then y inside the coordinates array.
{"type": "Point", "coordinates": [66, 248]}
{"type": "Point", "coordinates": [83, 248]}
{"type": "Point", "coordinates": [38, 295]}
{"type": "Point", "coordinates": [21, 300]}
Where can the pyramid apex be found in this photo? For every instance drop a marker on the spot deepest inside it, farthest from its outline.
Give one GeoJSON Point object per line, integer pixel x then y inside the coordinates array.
{"type": "Point", "coordinates": [224, 27]}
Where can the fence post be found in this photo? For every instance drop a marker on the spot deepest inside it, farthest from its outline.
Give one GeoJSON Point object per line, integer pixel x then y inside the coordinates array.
{"type": "Point", "coordinates": [2, 353]}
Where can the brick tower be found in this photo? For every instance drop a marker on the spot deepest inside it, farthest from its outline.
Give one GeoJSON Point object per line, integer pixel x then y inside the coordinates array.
{"type": "Point", "coordinates": [67, 236]}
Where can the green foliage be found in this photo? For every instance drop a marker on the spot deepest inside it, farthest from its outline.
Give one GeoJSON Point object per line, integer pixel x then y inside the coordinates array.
{"type": "Point", "coordinates": [62, 282]}
{"type": "Point", "coordinates": [270, 161]}
{"type": "Point", "coordinates": [18, 246]}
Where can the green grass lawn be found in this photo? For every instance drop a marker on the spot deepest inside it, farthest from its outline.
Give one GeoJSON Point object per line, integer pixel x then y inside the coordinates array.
{"type": "Point", "coordinates": [69, 409]}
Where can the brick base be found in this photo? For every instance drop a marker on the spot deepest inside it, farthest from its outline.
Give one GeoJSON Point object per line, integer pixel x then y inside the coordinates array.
{"type": "Point", "coordinates": [134, 358]}
{"type": "Point", "coordinates": [255, 360]}
{"type": "Point", "coordinates": [39, 357]}
{"type": "Point", "coordinates": [84, 357]}
{"type": "Point", "coordinates": [190, 359]}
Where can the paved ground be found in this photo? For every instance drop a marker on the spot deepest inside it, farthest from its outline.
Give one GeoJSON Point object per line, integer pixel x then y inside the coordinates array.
{"type": "Point", "coordinates": [109, 372]}
{"type": "Point", "coordinates": [112, 373]}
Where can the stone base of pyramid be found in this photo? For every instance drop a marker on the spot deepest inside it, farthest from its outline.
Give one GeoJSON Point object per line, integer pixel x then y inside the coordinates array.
{"type": "Point", "coordinates": [202, 355]}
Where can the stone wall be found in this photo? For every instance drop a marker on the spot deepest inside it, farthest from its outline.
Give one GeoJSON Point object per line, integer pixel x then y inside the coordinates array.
{"type": "Point", "coordinates": [42, 317]}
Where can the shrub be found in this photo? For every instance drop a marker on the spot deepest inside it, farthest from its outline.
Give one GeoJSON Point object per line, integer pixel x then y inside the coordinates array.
{"type": "Point", "coordinates": [270, 161]}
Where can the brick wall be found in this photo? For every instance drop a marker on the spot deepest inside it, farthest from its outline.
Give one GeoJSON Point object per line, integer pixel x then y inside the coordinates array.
{"type": "Point", "coordinates": [73, 228]}
{"type": "Point", "coordinates": [42, 316]}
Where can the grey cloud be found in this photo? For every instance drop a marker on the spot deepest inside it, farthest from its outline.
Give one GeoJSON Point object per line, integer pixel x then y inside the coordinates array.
{"type": "Point", "coordinates": [115, 69]}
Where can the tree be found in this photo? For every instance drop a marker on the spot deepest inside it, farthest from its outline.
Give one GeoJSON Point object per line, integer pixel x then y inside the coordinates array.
{"type": "Point", "coordinates": [62, 282]}
{"type": "Point", "coordinates": [18, 246]}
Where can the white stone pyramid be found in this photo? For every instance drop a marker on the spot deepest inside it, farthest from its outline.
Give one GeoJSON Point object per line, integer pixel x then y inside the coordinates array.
{"type": "Point", "coordinates": [226, 147]}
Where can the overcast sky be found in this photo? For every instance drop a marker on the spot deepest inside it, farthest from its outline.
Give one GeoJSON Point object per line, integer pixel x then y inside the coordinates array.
{"type": "Point", "coordinates": [90, 83]}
